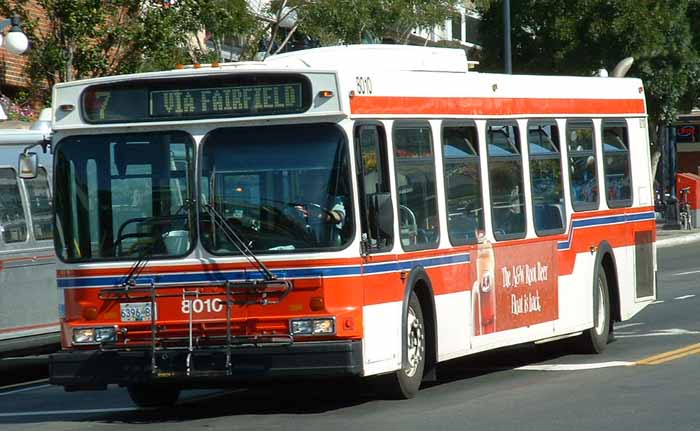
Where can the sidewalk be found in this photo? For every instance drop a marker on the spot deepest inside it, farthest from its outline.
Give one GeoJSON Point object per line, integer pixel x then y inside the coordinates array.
{"type": "Point", "coordinates": [670, 238]}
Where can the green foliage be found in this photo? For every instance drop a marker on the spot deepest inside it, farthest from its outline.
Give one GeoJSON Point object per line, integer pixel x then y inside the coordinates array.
{"type": "Point", "coordinates": [355, 21]}
{"type": "Point", "coordinates": [91, 38]}
{"type": "Point", "coordinates": [576, 38]}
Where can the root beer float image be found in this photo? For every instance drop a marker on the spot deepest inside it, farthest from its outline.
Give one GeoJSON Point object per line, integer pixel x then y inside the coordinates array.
{"type": "Point", "coordinates": [483, 291]}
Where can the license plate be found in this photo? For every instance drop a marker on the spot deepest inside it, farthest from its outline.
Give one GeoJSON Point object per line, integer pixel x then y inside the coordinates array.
{"type": "Point", "coordinates": [135, 311]}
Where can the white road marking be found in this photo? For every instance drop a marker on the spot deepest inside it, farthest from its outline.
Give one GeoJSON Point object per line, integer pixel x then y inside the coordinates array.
{"type": "Point", "coordinates": [16, 391]}
{"type": "Point", "coordinates": [686, 273]}
{"type": "Point", "coordinates": [661, 301]}
{"type": "Point", "coordinates": [685, 297]}
{"type": "Point", "coordinates": [627, 325]}
{"type": "Point", "coordinates": [68, 412]}
{"type": "Point", "coordinates": [659, 333]}
{"type": "Point", "coordinates": [575, 367]}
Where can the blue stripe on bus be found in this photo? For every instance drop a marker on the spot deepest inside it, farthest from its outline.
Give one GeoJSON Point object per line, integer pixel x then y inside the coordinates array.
{"type": "Point", "coordinates": [564, 245]}
{"type": "Point", "coordinates": [340, 271]}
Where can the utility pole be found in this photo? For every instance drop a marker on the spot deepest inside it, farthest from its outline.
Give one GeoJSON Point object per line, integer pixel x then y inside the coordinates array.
{"type": "Point", "coordinates": [506, 38]}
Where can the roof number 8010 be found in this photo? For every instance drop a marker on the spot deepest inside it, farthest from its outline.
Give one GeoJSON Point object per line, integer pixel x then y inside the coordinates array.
{"type": "Point", "coordinates": [364, 85]}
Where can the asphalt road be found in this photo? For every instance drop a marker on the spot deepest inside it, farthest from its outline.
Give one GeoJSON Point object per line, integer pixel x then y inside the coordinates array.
{"type": "Point", "coordinates": [522, 388]}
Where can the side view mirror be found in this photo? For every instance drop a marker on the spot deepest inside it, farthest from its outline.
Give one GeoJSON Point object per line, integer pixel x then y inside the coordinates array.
{"type": "Point", "coordinates": [28, 165]}
{"type": "Point", "coordinates": [381, 220]}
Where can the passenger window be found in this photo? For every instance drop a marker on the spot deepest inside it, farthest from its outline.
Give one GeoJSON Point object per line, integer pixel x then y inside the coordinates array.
{"type": "Point", "coordinates": [616, 157]}
{"type": "Point", "coordinates": [415, 184]}
{"type": "Point", "coordinates": [40, 205]}
{"type": "Point", "coordinates": [506, 179]}
{"type": "Point", "coordinates": [582, 165]}
{"type": "Point", "coordinates": [545, 174]}
{"type": "Point", "coordinates": [13, 223]}
{"type": "Point", "coordinates": [373, 178]}
{"type": "Point", "coordinates": [465, 207]}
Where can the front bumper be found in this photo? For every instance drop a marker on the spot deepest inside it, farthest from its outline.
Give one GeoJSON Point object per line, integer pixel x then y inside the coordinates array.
{"type": "Point", "coordinates": [97, 368]}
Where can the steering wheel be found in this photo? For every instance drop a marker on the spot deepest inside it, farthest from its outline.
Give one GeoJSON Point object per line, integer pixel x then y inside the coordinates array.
{"type": "Point", "coordinates": [313, 213]}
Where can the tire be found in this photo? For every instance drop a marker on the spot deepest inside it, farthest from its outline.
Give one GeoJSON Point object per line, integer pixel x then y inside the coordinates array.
{"type": "Point", "coordinates": [405, 383]}
{"type": "Point", "coordinates": [149, 395]}
{"type": "Point", "coordinates": [595, 339]}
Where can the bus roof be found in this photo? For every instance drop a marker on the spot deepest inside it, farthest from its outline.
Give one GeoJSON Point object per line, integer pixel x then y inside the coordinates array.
{"type": "Point", "coordinates": [356, 81]}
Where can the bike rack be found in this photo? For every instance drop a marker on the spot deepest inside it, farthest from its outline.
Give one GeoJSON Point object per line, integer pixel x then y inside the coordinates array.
{"type": "Point", "coordinates": [248, 292]}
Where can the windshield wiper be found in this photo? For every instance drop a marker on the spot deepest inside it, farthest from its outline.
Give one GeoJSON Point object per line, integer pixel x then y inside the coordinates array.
{"type": "Point", "coordinates": [149, 249]}
{"type": "Point", "coordinates": [220, 221]}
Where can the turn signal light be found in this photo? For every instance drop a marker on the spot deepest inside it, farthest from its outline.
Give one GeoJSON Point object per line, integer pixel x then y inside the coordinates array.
{"type": "Point", "coordinates": [90, 313]}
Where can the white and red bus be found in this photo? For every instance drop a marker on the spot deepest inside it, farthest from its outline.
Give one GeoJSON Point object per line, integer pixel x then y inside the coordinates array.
{"type": "Point", "coordinates": [345, 211]}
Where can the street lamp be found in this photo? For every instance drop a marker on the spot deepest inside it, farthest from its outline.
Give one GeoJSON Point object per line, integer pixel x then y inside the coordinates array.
{"type": "Point", "coordinates": [16, 42]}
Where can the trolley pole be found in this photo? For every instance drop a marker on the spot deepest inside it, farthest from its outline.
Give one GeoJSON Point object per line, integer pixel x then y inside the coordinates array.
{"type": "Point", "coordinates": [506, 32]}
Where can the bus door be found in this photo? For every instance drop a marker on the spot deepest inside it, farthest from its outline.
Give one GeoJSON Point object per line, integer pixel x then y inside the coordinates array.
{"type": "Point", "coordinates": [381, 283]}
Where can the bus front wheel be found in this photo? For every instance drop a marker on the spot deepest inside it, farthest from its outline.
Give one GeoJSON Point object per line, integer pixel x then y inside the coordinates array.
{"type": "Point", "coordinates": [595, 339]}
{"type": "Point", "coordinates": [405, 383]}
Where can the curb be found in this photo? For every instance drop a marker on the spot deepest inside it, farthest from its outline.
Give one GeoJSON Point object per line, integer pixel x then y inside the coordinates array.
{"type": "Point", "coordinates": [678, 240]}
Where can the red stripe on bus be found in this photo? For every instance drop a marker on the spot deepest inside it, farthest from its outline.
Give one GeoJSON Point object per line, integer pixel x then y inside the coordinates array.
{"type": "Point", "coordinates": [616, 237]}
{"type": "Point", "coordinates": [491, 106]}
{"type": "Point", "coordinates": [26, 328]}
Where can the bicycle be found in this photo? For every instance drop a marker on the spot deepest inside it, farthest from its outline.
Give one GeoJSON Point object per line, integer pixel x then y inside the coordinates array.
{"type": "Point", "coordinates": [684, 215]}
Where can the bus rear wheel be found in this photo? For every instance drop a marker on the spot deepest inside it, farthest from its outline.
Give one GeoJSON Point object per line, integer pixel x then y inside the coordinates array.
{"type": "Point", "coordinates": [150, 395]}
{"type": "Point", "coordinates": [405, 383]}
{"type": "Point", "coordinates": [595, 339]}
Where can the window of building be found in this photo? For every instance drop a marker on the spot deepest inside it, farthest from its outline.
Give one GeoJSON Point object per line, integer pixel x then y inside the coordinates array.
{"type": "Point", "coordinates": [545, 174]}
{"type": "Point", "coordinates": [456, 22]}
{"type": "Point", "coordinates": [465, 208]}
{"type": "Point", "coordinates": [582, 165]}
{"type": "Point", "coordinates": [506, 180]}
{"type": "Point", "coordinates": [415, 184]}
{"type": "Point", "coordinates": [40, 205]}
{"type": "Point", "coordinates": [616, 157]}
{"type": "Point", "coordinates": [13, 222]}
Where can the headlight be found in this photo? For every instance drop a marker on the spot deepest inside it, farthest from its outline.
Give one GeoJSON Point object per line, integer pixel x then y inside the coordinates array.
{"type": "Point", "coordinates": [324, 326]}
{"type": "Point", "coordinates": [84, 336]}
{"type": "Point", "coordinates": [94, 335]}
{"type": "Point", "coordinates": [105, 335]}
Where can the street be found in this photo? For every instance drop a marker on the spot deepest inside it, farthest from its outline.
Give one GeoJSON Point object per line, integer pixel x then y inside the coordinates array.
{"type": "Point", "coordinates": [524, 388]}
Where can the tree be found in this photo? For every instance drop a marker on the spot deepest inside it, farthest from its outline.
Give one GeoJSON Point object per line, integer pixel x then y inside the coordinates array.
{"type": "Point", "coordinates": [576, 38]}
{"type": "Point", "coordinates": [91, 38]}
{"type": "Point", "coordinates": [334, 22]}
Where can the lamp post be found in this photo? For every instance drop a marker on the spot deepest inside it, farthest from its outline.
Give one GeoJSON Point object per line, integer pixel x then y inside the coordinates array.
{"type": "Point", "coordinates": [506, 40]}
{"type": "Point", "coordinates": [16, 41]}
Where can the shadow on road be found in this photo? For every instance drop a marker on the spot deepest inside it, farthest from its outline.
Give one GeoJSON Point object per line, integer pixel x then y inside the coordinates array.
{"type": "Point", "coordinates": [300, 397]}
{"type": "Point", "coordinates": [18, 370]}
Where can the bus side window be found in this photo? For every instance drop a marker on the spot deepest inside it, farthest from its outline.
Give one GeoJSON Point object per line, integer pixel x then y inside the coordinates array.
{"type": "Point", "coordinates": [13, 222]}
{"type": "Point", "coordinates": [373, 180]}
{"type": "Point", "coordinates": [545, 173]}
{"type": "Point", "coordinates": [506, 180]}
{"type": "Point", "coordinates": [616, 155]}
{"type": "Point", "coordinates": [39, 198]}
{"type": "Point", "coordinates": [415, 185]}
{"type": "Point", "coordinates": [582, 165]}
{"type": "Point", "coordinates": [465, 207]}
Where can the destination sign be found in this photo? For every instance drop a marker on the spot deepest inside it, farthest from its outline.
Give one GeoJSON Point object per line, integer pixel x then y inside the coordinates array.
{"type": "Point", "coordinates": [198, 98]}
{"type": "Point", "coordinates": [258, 99]}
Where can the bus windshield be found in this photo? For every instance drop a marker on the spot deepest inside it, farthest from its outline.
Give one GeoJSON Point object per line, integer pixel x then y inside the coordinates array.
{"type": "Point", "coordinates": [124, 196]}
{"type": "Point", "coordinates": [281, 188]}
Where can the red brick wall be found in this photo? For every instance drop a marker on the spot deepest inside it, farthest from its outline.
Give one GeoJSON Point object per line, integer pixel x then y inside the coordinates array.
{"type": "Point", "coordinates": [12, 67]}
